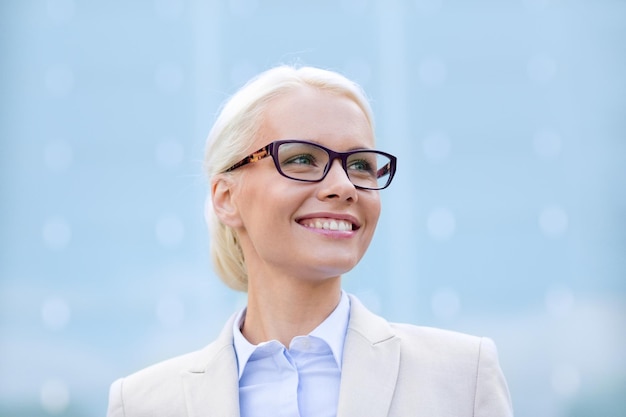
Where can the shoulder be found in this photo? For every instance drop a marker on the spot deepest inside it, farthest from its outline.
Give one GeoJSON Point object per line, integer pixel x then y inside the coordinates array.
{"type": "Point", "coordinates": [434, 337]}
{"type": "Point", "coordinates": [156, 386]}
{"type": "Point", "coordinates": [453, 365]}
{"type": "Point", "coordinates": [160, 386]}
{"type": "Point", "coordinates": [376, 329]}
{"type": "Point", "coordinates": [159, 383]}
{"type": "Point", "coordinates": [438, 345]}
{"type": "Point", "coordinates": [444, 347]}
{"type": "Point", "coordinates": [170, 368]}
{"type": "Point", "coordinates": [196, 361]}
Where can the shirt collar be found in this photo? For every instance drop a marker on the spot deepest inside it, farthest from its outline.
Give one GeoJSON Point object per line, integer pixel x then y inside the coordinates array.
{"type": "Point", "coordinates": [332, 331]}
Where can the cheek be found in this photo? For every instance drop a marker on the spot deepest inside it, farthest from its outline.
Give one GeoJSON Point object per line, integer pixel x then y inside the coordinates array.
{"type": "Point", "coordinates": [263, 204]}
{"type": "Point", "coordinates": [247, 196]}
{"type": "Point", "coordinates": [374, 209]}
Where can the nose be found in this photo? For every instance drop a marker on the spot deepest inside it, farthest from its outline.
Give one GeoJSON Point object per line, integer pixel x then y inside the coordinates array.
{"type": "Point", "coordinates": [337, 185]}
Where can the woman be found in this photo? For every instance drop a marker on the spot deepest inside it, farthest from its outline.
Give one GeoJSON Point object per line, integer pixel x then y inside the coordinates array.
{"type": "Point", "coordinates": [295, 199]}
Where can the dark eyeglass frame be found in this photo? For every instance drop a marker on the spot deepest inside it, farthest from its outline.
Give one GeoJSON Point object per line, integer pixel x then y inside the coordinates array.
{"type": "Point", "coordinates": [271, 149]}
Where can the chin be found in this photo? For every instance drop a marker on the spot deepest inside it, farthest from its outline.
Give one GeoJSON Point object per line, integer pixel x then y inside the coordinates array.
{"type": "Point", "coordinates": [332, 269]}
{"type": "Point", "coordinates": [329, 261]}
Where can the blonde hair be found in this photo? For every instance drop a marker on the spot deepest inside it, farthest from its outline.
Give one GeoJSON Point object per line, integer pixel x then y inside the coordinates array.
{"type": "Point", "coordinates": [236, 128]}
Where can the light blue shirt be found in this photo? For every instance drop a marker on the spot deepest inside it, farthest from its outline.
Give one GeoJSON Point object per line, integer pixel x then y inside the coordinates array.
{"type": "Point", "coordinates": [302, 381]}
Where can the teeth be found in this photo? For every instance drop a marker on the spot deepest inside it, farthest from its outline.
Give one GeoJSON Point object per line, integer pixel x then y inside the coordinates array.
{"type": "Point", "coordinates": [327, 224]}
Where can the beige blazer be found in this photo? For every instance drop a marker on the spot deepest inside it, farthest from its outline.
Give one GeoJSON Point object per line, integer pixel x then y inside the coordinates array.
{"type": "Point", "coordinates": [388, 369]}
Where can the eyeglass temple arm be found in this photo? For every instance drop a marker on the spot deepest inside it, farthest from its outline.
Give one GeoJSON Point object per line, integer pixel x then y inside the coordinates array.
{"type": "Point", "coordinates": [256, 156]}
{"type": "Point", "coordinates": [384, 170]}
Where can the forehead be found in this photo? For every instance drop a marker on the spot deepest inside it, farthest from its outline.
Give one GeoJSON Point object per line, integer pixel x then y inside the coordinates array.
{"type": "Point", "coordinates": [312, 114]}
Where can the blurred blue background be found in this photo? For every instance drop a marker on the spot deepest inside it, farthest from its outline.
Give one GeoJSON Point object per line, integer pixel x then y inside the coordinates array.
{"type": "Point", "coordinates": [507, 217]}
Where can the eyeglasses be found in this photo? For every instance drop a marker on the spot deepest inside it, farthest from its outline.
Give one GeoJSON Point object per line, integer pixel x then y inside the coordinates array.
{"type": "Point", "coordinates": [300, 160]}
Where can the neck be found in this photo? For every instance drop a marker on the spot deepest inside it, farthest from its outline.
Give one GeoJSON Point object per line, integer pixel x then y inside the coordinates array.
{"type": "Point", "coordinates": [282, 309]}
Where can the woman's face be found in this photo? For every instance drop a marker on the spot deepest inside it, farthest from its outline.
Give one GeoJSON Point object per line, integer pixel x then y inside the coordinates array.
{"type": "Point", "coordinates": [281, 221]}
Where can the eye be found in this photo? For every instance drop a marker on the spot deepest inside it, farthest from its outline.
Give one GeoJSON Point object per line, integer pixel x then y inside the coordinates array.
{"type": "Point", "coordinates": [301, 159]}
{"type": "Point", "coordinates": [361, 165]}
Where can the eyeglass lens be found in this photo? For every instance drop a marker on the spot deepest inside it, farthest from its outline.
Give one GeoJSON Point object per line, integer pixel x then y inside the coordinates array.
{"type": "Point", "coordinates": [308, 162]}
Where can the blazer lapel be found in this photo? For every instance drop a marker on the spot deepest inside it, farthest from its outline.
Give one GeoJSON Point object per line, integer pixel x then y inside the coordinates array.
{"type": "Point", "coordinates": [211, 386]}
{"type": "Point", "coordinates": [371, 359]}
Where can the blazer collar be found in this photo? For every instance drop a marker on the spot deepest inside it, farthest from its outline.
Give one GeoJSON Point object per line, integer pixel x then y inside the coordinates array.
{"type": "Point", "coordinates": [371, 360]}
{"type": "Point", "coordinates": [211, 385]}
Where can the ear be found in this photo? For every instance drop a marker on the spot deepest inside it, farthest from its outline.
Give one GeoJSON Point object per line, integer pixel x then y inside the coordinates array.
{"type": "Point", "coordinates": [223, 201]}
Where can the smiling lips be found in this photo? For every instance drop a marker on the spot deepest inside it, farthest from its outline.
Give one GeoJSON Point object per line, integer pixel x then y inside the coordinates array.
{"type": "Point", "coordinates": [328, 224]}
